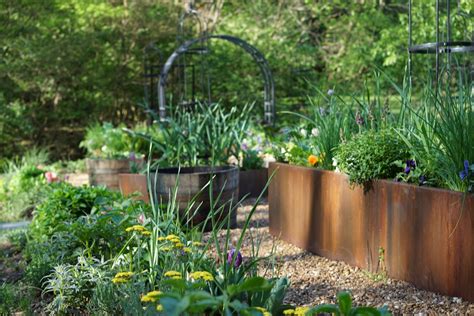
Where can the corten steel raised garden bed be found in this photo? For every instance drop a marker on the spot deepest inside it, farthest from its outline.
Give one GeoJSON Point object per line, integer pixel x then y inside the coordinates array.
{"type": "Point", "coordinates": [426, 234]}
{"type": "Point", "coordinates": [133, 183]}
{"type": "Point", "coordinates": [252, 182]}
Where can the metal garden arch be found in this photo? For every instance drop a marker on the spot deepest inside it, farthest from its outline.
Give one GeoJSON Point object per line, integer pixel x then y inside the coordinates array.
{"type": "Point", "coordinates": [269, 86]}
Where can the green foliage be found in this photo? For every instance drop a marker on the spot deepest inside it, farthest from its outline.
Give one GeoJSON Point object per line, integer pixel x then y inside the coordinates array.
{"type": "Point", "coordinates": [344, 307]}
{"type": "Point", "coordinates": [207, 135]}
{"type": "Point", "coordinates": [72, 285]}
{"type": "Point", "coordinates": [66, 203]}
{"type": "Point", "coordinates": [107, 141]}
{"type": "Point", "coordinates": [441, 129]}
{"type": "Point", "coordinates": [15, 298]}
{"type": "Point", "coordinates": [371, 155]}
{"type": "Point", "coordinates": [22, 186]}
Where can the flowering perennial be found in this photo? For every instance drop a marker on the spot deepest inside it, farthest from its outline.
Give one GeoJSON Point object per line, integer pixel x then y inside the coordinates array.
{"type": "Point", "coordinates": [202, 275]}
{"type": "Point", "coordinates": [122, 277]}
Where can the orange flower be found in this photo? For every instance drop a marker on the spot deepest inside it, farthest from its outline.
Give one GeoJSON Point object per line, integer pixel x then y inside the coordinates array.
{"type": "Point", "coordinates": [313, 160]}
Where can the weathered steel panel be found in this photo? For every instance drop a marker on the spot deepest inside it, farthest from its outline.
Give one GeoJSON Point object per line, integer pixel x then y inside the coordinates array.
{"type": "Point", "coordinates": [426, 234]}
{"type": "Point", "coordinates": [252, 182]}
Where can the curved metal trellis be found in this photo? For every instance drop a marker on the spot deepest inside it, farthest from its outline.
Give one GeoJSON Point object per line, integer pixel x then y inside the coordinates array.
{"type": "Point", "coordinates": [269, 86]}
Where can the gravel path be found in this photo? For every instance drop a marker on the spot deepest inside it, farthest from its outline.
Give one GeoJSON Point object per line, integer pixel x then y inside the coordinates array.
{"type": "Point", "coordinates": [316, 280]}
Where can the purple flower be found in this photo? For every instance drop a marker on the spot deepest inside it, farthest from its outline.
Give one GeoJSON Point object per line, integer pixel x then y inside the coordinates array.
{"type": "Point", "coordinates": [330, 92]}
{"type": "Point", "coordinates": [464, 173]}
{"type": "Point", "coordinates": [238, 258]}
{"type": "Point", "coordinates": [244, 146]}
{"type": "Point", "coordinates": [410, 165]}
{"type": "Point", "coordinates": [132, 156]}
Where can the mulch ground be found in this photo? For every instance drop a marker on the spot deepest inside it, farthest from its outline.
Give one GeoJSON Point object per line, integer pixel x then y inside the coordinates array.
{"type": "Point", "coordinates": [316, 280]}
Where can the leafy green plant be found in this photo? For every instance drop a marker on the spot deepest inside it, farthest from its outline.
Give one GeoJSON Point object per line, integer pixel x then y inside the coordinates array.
{"type": "Point", "coordinates": [441, 127]}
{"type": "Point", "coordinates": [207, 135]}
{"type": "Point", "coordinates": [344, 308]}
{"type": "Point", "coordinates": [107, 141]}
{"type": "Point", "coordinates": [23, 185]}
{"type": "Point", "coordinates": [371, 155]}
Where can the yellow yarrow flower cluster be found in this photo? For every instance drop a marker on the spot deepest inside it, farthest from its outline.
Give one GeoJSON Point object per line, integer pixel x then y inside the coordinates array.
{"type": "Point", "coordinates": [161, 238]}
{"type": "Point", "coordinates": [159, 308]}
{"type": "Point", "coordinates": [122, 277]}
{"type": "Point", "coordinates": [187, 250]}
{"type": "Point", "coordinates": [197, 244]}
{"type": "Point", "coordinates": [146, 233]}
{"type": "Point", "coordinates": [135, 228]}
{"type": "Point", "coordinates": [173, 274]}
{"type": "Point", "coordinates": [151, 296]}
{"type": "Point", "coordinates": [171, 237]}
{"type": "Point", "coordinates": [263, 311]}
{"type": "Point", "coordinates": [296, 312]}
{"type": "Point", "coordinates": [204, 275]}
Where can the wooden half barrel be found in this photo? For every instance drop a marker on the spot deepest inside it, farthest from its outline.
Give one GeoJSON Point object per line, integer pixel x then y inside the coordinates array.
{"type": "Point", "coordinates": [105, 171]}
{"type": "Point", "coordinates": [225, 179]}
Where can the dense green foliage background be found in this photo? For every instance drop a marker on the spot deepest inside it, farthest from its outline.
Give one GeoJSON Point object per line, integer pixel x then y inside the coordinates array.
{"type": "Point", "coordinates": [66, 64]}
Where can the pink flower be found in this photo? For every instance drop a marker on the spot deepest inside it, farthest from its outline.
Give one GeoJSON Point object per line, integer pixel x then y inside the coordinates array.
{"type": "Point", "coordinates": [51, 177]}
{"type": "Point", "coordinates": [141, 218]}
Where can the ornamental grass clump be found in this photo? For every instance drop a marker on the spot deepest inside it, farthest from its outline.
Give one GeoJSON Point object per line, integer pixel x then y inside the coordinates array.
{"type": "Point", "coordinates": [371, 155]}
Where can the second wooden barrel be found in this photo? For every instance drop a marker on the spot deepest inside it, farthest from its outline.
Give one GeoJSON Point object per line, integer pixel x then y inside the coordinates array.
{"type": "Point", "coordinates": [105, 171]}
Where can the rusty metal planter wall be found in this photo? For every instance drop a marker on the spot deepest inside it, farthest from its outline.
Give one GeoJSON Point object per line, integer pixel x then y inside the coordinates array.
{"type": "Point", "coordinates": [252, 182]}
{"type": "Point", "coordinates": [427, 234]}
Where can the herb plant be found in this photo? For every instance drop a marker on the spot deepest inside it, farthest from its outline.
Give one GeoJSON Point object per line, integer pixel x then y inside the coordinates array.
{"type": "Point", "coordinates": [371, 155]}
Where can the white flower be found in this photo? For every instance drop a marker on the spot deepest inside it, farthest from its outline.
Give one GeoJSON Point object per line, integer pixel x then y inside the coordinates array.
{"type": "Point", "coordinates": [267, 158]}
{"type": "Point", "coordinates": [303, 132]}
{"type": "Point", "coordinates": [232, 160]}
{"type": "Point", "coordinates": [334, 162]}
{"type": "Point", "coordinates": [315, 132]}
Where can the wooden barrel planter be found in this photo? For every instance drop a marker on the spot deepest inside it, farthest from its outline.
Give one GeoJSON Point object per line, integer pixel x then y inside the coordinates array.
{"type": "Point", "coordinates": [191, 181]}
{"type": "Point", "coordinates": [105, 171]}
{"type": "Point", "coordinates": [252, 182]}
{"type": "Point", "coordinates": [426, 234]}
{"type": "Point", "coordinates": [131, 183]}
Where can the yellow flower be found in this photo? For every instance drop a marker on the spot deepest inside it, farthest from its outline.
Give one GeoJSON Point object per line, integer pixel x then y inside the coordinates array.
{"type": "Point", "coordinates": [169, 237]}
{"type": "Point", "coordinates": [148, 299]}
{"type": "Point", "coordinates": [175, 240]}
{"type": "Point", "coordinates": [313, 160]}
{"type": "Point", "coordinates": [176, 277]}
{"type": "Point", "coordinates": [263, 311]}
{"type": "Point", "coordinates": [301, 310]}
{"type": "Point", "coordinates": [187, 249]}
{"type": "Point", "coordinates": [146, 233]}
{"type": "Point", "coordinates": [119, 280]}
{"type": "Point", "coordinates": [154, 293]}
{"type": "Point", "coordinates": [166, 248]}
{"type": "Point", "coordinates": [159, 308]}
{"type": "Point", "coordinates": [161, 238]}
{"type": "Point", "coordinates": [197, 244]}
{"type": "Point", "coordinates": [289, 312]}
{"type": "Point", "coordinates": [124, 275]}
{"type": "Point", "coordinates": [172, 274]}
{"type": "Point", "coordinates": [179, 245]}
{"type": "Point", "coordinates": [204, 275]}
{"type": "Point", "coordinates": [135, 228]}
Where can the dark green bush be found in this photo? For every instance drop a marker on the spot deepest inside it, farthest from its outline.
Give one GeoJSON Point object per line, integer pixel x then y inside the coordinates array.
{"type": "Point", "coordinates": [371, 155]}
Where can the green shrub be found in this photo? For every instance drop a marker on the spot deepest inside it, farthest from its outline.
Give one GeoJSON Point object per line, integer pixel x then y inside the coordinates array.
{"type": "Point", "coordinates": [371, 155]}
{"type": "Point", "coordinates": [107, 141]}
{"type": "Point", "coordinates": [65, 203]}
{"type": "Point", "coordinates": [23, 185]}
